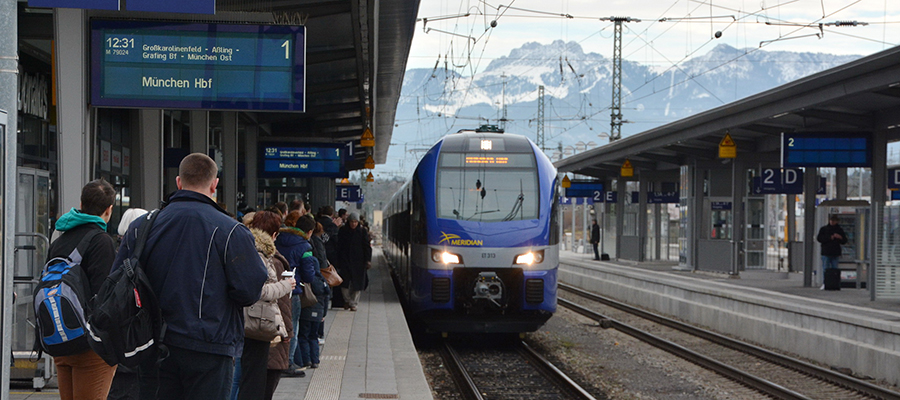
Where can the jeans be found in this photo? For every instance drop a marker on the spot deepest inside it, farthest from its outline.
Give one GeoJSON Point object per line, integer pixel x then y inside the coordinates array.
{"type": "Point", "coordinates": [308, 341]}
{"type": "Point", "coordinates": [294, 356]}
{"type": "Point", "coordinates": [830, 262]}
{"type": "Point", "coordinates": [83, 376]}
{"type": "Point", "coordinates": [188, 374]}
{"type": "Point", "coordinates": [596, 252]}
{"type": "Point", "coordinates": [236, 379]}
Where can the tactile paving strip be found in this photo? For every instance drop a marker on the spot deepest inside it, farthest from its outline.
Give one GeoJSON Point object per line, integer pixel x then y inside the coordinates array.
{"type": "Point", "coordinates": [326, 381]}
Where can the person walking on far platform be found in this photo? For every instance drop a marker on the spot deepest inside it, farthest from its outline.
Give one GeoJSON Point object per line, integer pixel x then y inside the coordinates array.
{"type": "Point", "coordinates": [595, 239]}
{"type": "Point", "coordinates": [355, 254]}
{"type": "Point", "coordinates": [831, 237]}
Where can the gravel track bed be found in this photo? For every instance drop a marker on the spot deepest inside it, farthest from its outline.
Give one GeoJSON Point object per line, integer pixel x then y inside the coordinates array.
{"type": "Point", "coordinates": [788, 378]}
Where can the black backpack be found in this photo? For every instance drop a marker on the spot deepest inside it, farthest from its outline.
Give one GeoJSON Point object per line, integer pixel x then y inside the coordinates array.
{"type": "Point", "coordinates": [126, 326]}
{"type": "Point", "coordinates": [61, 303]}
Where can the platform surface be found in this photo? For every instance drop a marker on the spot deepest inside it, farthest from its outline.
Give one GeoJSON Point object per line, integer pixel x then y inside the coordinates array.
{"type": "Point", "coordinates": [368, 353]}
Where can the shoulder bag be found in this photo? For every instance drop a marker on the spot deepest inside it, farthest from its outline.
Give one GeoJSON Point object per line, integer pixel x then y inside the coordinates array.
{"type": "Point", "coordinates": [263, 320]}
{"type": "Point", "coordinates": [331, 276]}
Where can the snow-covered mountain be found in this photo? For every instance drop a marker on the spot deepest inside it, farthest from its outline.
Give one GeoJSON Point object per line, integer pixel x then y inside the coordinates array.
{"type": "Point", "coordinates": [578, 91]}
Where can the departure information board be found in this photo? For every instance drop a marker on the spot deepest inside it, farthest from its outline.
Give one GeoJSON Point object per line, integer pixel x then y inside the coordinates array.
{"type": "Point", "coordinates": [831, 149]}
{"type": "Point", "coordinates": [586, 189]}
{"type": "Point", "coordinates": [302, 160]}
{"type": "Point", "coordinates": [198, 66]}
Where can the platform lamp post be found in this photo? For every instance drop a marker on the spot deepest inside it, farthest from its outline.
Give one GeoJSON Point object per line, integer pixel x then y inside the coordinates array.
{"type": "Point", "coordinates": [9, 60]}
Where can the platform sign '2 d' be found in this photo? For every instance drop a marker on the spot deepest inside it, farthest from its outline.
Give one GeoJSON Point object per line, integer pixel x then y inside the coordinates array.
{"type": "Point", "coordinates": [198, 65]}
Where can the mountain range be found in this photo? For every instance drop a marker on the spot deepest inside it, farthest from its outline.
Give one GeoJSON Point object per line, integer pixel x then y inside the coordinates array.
{"type": "Point", "coordinates": [578, 92]}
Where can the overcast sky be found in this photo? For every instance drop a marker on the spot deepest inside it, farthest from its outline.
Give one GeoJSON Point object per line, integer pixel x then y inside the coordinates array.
{"type": "Point", "coordinates": [688, 31]}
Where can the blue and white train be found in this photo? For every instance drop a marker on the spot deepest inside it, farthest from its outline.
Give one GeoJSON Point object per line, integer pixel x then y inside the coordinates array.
{"type": "Point", "coordinates": [472, 237]}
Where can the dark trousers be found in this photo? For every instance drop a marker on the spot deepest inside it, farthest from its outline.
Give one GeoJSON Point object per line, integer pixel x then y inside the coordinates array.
{"type": "Point", "coordinates": [273, 376]}
{"type": "Point", "coordinates": [187, 374]}
{"type": "Point", "coordinates": [125, 385]}
{"type": "Point", "coordinates": [596, 252]}
{"type": "Point", "coordinates": [254, 360]}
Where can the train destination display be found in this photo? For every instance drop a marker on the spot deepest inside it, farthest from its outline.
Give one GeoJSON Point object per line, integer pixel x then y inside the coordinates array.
{"type": "Point", "coordinates": [827, 149]}
{"type": "Point", "coordinates": [197, 66]}
{"type": "Point", "coordinates": [313, 160]}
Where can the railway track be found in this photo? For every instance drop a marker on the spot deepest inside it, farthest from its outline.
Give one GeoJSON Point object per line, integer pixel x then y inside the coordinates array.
{"type": "Point", "coordinates": [770, 373]}
{"type": "Point", "coordinates": [507, 372]}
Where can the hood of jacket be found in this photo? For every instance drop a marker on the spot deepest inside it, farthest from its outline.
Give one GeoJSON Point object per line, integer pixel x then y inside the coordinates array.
{"type": "Point", "coordinates": [75, 218]}
{"type": "Point", "coordinates": [264, 242]}
{"type": "Point", "coordinates": [293, 231]}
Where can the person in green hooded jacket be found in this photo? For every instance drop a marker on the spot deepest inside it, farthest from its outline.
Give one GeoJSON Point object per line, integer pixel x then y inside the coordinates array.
{"type": "Point", "coordinates": [86, 375]}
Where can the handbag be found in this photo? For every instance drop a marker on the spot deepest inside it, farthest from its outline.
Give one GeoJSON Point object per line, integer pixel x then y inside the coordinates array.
{"type": "Point", "coordinates": [331, 276]}
{"type": "Point", "coordinates": [263, 321]}
{"type": "Point", "coordinates": [307, 298]}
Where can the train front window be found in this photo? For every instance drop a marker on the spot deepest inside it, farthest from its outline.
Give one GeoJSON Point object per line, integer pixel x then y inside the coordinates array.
{"type": "Point", "coordinates": [487, 187]}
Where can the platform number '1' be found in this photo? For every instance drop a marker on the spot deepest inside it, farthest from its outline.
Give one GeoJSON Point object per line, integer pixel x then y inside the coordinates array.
{"type": "Point", "coordinates": [287, 50]}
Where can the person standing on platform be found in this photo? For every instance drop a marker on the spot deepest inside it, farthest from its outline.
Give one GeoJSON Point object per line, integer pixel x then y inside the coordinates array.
{"type": "Point", "coordinates": [85, 375]}
{"type": "Point", "coordinates": [595, 239]}
{"type": "Point", "coordinates": [330, 237]}
{"type": "Point", "coordinates": [831, 237]}
{"type": "Point", "coordinates": [255, 379]}
{"type": "Point", "coordinates": [355, 255]}
{"type": "Point", "coordinates": [204, 268]}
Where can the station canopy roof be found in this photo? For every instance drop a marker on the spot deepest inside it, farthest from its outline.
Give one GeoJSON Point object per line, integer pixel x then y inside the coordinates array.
{"type": "Point", "coordinates": [356, 57]}
{"type": "Point", "coordinates": [863, 95]}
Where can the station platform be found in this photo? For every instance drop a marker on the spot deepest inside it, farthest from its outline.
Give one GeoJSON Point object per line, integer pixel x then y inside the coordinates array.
{"type": "Point", "coordinates": [368, 353]}
{"type": "Point", "coordinates": [841, 329]}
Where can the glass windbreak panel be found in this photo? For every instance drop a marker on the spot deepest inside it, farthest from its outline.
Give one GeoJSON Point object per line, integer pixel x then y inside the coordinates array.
{"type": "Point", "coordinates": [756, 219]}
{"type": "Point", "coordinates": [487, 187]}
{"type": "Point", "coordinates": [721, 225]}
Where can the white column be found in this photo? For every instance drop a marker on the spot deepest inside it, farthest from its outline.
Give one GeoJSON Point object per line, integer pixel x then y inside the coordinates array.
{"type": "Point", "coordinates": [75, 151]}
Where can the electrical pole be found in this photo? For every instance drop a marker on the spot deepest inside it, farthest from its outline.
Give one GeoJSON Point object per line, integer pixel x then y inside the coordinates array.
{"type": "Point", "coordinates": [540, 119]}
{"type": "Point", "coordinates": [503, 106]}
{"type": "Point", "coordinates": [615, 114]}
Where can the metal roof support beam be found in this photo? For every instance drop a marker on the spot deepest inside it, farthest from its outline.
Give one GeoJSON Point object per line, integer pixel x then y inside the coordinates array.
{"type": "Point", "coordinates": [331, 86]}
{"type": "Point", "coordinates": [859, 121]}
{"type": "Point", "coordinates": [694, 152]}
{"type": "Point", "coordinates": [312, 10]}
{"type": "Point", "coordinates": [329, 55]}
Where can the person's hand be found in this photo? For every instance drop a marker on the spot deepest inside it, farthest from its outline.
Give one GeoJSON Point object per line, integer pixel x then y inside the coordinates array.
{"type": "Point", "coordinates": [368, 265]}
{"type": "Point", "coordinates": [293, 283]}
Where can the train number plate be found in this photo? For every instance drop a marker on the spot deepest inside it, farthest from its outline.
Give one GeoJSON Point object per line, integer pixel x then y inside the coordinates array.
{"type": "Point", "coordinates": [488, 255]}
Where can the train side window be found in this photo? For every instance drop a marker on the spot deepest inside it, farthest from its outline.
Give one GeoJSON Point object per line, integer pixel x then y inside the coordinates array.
{"type": "Point", "coordinates": [554, 216]}
{"type": "Point", "coordinates": [417, 228]}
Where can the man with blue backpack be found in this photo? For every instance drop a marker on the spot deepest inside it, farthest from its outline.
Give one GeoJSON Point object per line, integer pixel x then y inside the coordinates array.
{"type": "Point", "coordinates": [78, 263]}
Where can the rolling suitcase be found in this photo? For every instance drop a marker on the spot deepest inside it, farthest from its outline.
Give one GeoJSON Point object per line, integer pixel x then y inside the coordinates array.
{"type": "Point", "coordinates": [832, 279]}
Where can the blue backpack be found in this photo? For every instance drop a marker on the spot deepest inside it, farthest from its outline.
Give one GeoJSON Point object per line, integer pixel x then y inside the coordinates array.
{"type": "Point", "coordinates": [61, 303]}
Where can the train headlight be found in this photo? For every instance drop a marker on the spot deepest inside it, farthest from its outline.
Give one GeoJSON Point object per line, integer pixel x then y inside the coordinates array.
{"type": "Point", "coordinates": [444, 257]}
{"type": "Point", "coordinates": [531, 257]}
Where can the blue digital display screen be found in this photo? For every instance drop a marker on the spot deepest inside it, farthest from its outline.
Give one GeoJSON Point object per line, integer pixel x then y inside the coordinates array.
{"type": "Point", "coordinates": [85, 4]}
{"type": "Point", "coordinates": [175, 6]}
{"type": "Point", "coordinates": [839, 150]}
{"type": "Point", "coordinates": [302, 160]}
{"type": "Point", "coordinates": [585, 189]}
{"type": "Point", "coordinates": [197, 66]}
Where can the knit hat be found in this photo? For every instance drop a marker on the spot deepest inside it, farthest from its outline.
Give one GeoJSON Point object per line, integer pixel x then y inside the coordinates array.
{"type": "Point", "coordinates": [353, 217]}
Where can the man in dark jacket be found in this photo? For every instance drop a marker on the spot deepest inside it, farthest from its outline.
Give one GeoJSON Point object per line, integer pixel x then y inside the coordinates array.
{"type": "Point", "coordinates": [97, 198]}
{"type": "Point", "coordinates": [831, 237]}
{"type": "Point", "coordinates": [204, 268]}
{"type": "Point", "coordinates": [355, 255]}
{"type": "Point", "coordinates": [595, 239]}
